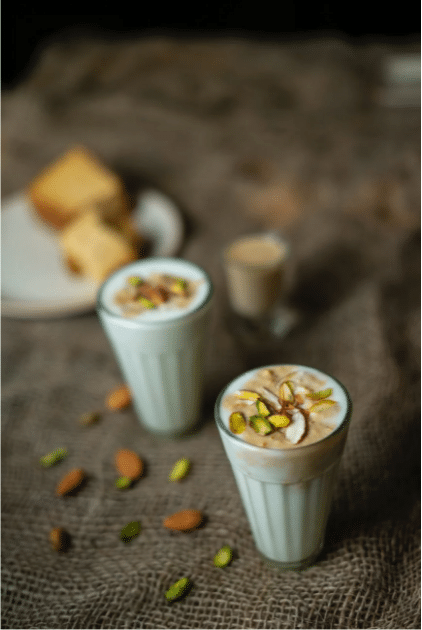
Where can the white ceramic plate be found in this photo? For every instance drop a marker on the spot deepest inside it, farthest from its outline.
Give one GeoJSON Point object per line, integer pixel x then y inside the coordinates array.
{"type": "Point", "coordinates": [34, 280]}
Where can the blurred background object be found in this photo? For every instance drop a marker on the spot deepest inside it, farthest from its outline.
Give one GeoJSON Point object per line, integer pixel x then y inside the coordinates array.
{"type": "Point", "coordinates": [31, 26]}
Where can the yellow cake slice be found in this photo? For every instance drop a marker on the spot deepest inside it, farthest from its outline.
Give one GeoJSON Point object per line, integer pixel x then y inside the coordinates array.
{"type": "Point", "coordinates": [94, 248]}
{"type": "Point", "coordinates": [74, 182]}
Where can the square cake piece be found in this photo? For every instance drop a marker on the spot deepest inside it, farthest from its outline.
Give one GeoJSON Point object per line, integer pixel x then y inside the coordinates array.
{"type": "Point", "coordinates": [94, 248]}
{"type": "Point", "coordinates": [77, 180]}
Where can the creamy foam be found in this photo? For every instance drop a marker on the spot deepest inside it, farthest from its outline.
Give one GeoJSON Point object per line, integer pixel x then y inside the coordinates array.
{"type": "Point", "coordinates": [301, 376]}
{"type": "Point", "coordinates": [171, 266]}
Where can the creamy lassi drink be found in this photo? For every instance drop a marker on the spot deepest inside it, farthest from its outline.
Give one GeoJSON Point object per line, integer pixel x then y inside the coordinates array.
{"type": "Point", "coordinates": [254, 266]}
{"type": "Point", "coordinates": [283, 428]}
{"type": "Point", "coordinates": [155, 313]}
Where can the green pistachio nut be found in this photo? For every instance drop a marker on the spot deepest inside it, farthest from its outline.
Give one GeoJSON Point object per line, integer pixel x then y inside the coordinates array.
{"type": "Point", "coordinates": [237, 422]}
{"type": "Point", "coordinates": [178, 589]}
{"type": "Point", "coordinates": [180, 469]}
{"type": "Point", "coordinates": [54, 457]}
{"type": "Point", "coordinates": [223, 557]}
{"type": "Point", "coordinates": [130, 531]}
{"type": "Point", "coordinates": [260, 425]}
{"type": "Point", "coordinates": [123, 482]}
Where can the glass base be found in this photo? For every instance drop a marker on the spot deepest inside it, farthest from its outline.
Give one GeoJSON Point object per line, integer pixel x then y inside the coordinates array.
{"type": "Point", "coordinates": [292, 566]}
{"type": "Point", "coordinates": [266, 329]}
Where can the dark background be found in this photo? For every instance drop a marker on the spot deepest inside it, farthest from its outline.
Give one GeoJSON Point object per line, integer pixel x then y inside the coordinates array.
{"type": "Point", "coordinates": [32, 25]}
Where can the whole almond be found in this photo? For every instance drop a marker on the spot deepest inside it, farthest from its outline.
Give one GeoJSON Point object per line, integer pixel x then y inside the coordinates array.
{"type": "Point", "coordinates": [184, 521]}
{"type": "Point", "coordinates": [119, 398]}
{"type": "Point", "coordinates": [59, 539]}
{"type": "Point", "coordinates": [70, 481]}
{"type": "Point", "coordinates": [128, 463]}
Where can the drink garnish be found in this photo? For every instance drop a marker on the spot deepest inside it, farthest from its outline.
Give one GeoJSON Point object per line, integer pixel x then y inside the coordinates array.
{"type": "Point", "coordinates": [237, 422]}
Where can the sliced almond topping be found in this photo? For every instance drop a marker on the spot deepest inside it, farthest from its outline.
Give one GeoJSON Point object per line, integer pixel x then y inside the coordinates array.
{"type": "Point", "coordinates": [297, 428]}
{"type": "Point", "coordinates": [272, 399]}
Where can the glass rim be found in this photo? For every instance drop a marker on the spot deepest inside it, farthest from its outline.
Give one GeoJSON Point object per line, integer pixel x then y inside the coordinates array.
{"type": "Point", "coordinates": [296, 449]}
{"type": "Point", "coordinates": [134, 320]}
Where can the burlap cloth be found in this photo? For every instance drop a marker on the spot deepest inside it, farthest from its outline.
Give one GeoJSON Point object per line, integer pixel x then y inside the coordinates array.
{"type": "Point", "coordinates": [242, 135]}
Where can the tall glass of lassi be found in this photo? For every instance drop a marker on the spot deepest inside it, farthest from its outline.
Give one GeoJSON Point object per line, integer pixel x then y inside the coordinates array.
{"type": "Point", "coordinates": [284, 428]}
{"type": "Point", "coordinates": [155, 313]}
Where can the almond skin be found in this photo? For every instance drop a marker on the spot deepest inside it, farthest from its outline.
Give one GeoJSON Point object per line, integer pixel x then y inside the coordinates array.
{"type": "Point", "coordinates": [119, 398]}
{"type": "Point", "coordinates": [128, 463]}
{"type": "Point", "coordinates": [58, 538]}
{"type": "Point", "coordinates": [184, 521]}
{"type": "Point", "coordinates": [70, 481]}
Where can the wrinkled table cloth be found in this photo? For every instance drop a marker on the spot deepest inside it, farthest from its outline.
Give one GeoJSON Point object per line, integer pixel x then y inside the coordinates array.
{"type": "Point", "coordinates": [243, 136]}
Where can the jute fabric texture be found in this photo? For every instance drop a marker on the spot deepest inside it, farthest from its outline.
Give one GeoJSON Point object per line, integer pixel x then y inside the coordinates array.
{"type": "Point", "coordinates": [243, 136]}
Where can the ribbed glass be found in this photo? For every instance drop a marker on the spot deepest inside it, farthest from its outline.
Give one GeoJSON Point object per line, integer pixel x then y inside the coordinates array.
{"type": "Point", "coordinates": [287, 520]}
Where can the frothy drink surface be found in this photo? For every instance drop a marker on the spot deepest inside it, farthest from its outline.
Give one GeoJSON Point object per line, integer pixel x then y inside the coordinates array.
{"type": "Point", "coordinates": [114, 295]}
{"type": "Point", "coordinates": [256, 250]}
{"type": "Point", "coordinates": [301, 406]}
{"type": "Point", "coordinates": [254, 268]}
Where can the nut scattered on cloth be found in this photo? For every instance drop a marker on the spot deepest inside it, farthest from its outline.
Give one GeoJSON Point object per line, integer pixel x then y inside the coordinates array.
{"type": "Point", "coordinates": [243, 136]}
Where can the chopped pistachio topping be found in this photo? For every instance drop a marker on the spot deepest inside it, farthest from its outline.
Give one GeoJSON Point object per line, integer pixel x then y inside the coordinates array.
{"type": "Point", "coordinates": [237, 422]}
{"type": "Point", "coordinates": [54, 457]}
{"type": "Point", "coordinates": [179, 286]}
{"type": "Point", "coordinates": [145, 302]}
{"type": "Point", "coordinates": [246, 395]}
{"type": "Point", "coordinates": [262, 408]}
{"type": "Point", "coordinates": [279, 420]}
{"type": "Point", "coordinates": [180, 469]}
{"type": "Point", "coordinates": [260, 425]}
{"type": "Point", "coordinates": [286, 392]}
{"type": "Point", "coordinates": [130, 531]}
{"type": "Point", "coordinates": [322, 405]}
{"type": "Point", "coordinates": [223, 557]}
{"type": "Point", "coordinates": [135, 281]}
{"type": "Point", "coordinates": [178, 589]}
{"type": "Point", "coordinates": [324, 393]}
{"type": "Point", "coordinates": [123, 482]}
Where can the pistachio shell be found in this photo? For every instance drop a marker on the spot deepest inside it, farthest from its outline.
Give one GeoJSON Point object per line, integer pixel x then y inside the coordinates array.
{"type": "Point", "coordinates": [322, 405]}
{"type": "Point", "coordinates": [180, 469]}
{"type": "Point", "coordinates": [286, 392]}
{"type": "Point", "coordinates": [279, 420]}
{"type": "Point", "coordinates": [262, 408]}
{"type": "Point", "coordinates": [223, 557]}
{"type": "Point", "coordinates": [244, 394]}
{"type": "Point", "coordinates": [237, 422]}
{"type": "Point", "coordinates": [178, 589]}
{"type": "Point", "coordinates": [324, 393]}
{"type": "Point", "coordinates": [260, 425]}
{"type": "Point", "coordinates": [130, 531]}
